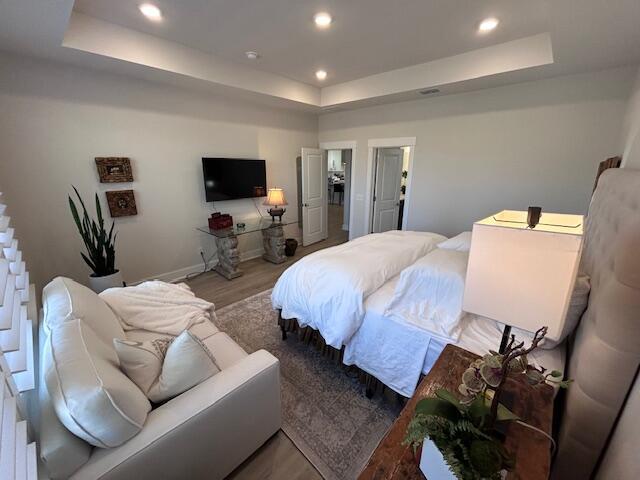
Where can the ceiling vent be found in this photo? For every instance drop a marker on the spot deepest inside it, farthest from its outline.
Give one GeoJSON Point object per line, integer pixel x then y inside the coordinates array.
{"type": "Point", "coordinates": [429, 91]}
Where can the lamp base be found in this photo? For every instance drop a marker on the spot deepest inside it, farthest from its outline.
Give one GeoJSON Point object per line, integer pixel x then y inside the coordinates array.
{"type": "Point", "coordinates": [276, 212]}
{"type": "Point", "coordinates": [506, 333]}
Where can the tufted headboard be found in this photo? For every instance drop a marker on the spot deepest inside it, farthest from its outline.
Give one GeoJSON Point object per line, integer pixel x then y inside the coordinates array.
{"type": "Point", "coordinates": [606, 349]}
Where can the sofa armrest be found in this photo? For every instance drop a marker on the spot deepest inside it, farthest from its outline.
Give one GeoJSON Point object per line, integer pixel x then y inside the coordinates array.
{"type": "Point", "coordinates": [203, 433]}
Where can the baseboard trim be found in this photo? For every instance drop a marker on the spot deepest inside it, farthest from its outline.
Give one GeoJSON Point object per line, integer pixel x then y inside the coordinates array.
{"type": "Point", "coordinates": [182, 273]}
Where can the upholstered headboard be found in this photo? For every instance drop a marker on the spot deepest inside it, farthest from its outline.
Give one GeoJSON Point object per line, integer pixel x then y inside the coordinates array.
{"type": "Point", "coordinates": [606, 350]}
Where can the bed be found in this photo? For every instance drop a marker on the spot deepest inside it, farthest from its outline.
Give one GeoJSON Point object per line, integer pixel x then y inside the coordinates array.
{"type": "Point", "coordinates": [603, 355]}
{"type": "Point", "coordinates": [388, 304]}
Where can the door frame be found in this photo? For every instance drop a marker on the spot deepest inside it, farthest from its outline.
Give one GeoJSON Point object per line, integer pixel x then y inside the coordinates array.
{"type": "Point", "coordinates": [344, 145]}
{"type": "Point", "coordinates": [373, 144]}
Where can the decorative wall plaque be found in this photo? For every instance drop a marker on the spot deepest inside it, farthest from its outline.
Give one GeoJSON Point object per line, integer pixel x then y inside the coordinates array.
{"type": "Point", "coordinates": [122, 203]}
{"type": "Point", "coordinates": [114, 169]}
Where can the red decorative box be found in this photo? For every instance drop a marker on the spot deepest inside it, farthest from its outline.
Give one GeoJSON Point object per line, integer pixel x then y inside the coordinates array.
{"type": "Point", "coordinates": [218, 221]}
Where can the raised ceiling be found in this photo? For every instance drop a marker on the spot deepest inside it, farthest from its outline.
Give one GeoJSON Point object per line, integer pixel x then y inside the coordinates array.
{"type": "Point", "coordinates": [375, 51]}
{"type": "Point", "coordinates": [366, 37]}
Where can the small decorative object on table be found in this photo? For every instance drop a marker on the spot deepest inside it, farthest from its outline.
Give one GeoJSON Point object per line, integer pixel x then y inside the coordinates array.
{"type": "Point", "coordinates": [122, 203]}
{"type": "Point", "coordinates": [276, 200]}
{"type": "Point", "coordinates": [460, 435]}
{"type": "Point", "coordinates": [218, 221]}
{"type": "Point", "coordinates": [114, 169]}
{"type": "Point", "coordinates": [241, 225]}
{"type": "Point", "coordinates": [100, 245]}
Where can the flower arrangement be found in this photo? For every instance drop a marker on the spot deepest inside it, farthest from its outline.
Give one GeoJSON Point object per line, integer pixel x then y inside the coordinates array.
{"type": "Point", "coordinates": [463, 429]}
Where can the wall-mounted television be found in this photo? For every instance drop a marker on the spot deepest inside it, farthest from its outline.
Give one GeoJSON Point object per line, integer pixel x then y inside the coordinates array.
{"type": "Point", "coordinates": [231, 178]}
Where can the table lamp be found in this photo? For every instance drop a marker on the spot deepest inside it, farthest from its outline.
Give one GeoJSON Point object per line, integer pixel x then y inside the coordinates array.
{"type": "Point", "coordinates": [522, 276]}
{"type": "Point", "coordinates": [275, 198]}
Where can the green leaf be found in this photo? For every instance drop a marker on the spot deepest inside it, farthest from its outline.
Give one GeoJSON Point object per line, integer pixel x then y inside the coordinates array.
{"type": "Point", "coordinates": [556, 374]}
{"type": "Point", "coordinates": [505, 415]}
{"type": "Point", "coordinates": [479, 410]}
{"type": "Point", "coordinates": [437, 407]}
{"type": "Point", "coordinates": [446, 395]}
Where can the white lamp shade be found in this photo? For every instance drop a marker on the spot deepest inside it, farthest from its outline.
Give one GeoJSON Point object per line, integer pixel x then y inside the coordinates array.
{"type": "Point", "coordinates": [524, 277]}
{"type": "Point", "coordinates": [275, 197]}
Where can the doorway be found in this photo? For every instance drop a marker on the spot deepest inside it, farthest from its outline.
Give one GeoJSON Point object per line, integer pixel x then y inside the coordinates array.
{"type": "Point", "coordinates": [338, 192]}
{"type": "Point", "coordinates": [390, 168]}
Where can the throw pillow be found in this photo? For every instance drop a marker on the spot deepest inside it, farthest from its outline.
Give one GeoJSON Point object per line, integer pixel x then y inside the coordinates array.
{"type": "Point", "coordinates": [459, 243]}
{"type": "Point", "coordinates": [166, 367]}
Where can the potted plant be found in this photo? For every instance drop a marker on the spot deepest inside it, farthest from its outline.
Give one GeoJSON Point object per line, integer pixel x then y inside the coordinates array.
{"type": "Point", "coordinates": [458, 432]}
{"type": "Point", "coordinates": [100, 246]}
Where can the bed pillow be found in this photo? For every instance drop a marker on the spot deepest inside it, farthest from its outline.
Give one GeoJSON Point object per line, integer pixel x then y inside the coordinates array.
{"type": "Point", "coordinates": [166, 367]}
{"type": "Point", "coordinates": [429, 293]}
{"type": "Point", "coordinates": [459, 243]}
{"type": "Point", "coordinates": [577, 306]}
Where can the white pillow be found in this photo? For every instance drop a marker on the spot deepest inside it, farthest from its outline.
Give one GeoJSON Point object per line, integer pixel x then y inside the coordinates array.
{"type": "Point", "coordinates": [459, 243]}
{"type": "Point", "coordinates": [64, 300]}
{"type": "Point", "coordinates": [429, 293]}
{"type": "Point", "coordinates": [165, 367]}
{"type": "Point", "coordinates": [91, 396]}
{"type": "Point", "coordinates": [577, 306]}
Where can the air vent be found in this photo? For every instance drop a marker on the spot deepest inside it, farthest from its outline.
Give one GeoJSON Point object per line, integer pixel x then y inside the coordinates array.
{"type": "Point", "coordinates": [429, 91]}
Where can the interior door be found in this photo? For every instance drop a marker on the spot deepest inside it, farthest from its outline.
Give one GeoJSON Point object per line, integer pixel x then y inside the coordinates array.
{"type": "Point", "coordinates": [386, 199]}
{"type": "Point", "coordinates": [314, 196]}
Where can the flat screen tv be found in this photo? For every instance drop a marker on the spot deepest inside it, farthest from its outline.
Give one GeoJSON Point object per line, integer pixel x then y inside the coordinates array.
{"type": "Point", "coordinates": [230, 178]}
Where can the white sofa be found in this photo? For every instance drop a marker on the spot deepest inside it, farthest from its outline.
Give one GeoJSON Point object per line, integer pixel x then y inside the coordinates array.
{"type": "Point", "coordinates": [203, 433]}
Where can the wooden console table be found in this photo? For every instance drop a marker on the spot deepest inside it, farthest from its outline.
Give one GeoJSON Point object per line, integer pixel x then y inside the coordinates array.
{"type": "Point", "coordinates": [227, 243]}
{"type": "Point", "coordinates": [393, 460]}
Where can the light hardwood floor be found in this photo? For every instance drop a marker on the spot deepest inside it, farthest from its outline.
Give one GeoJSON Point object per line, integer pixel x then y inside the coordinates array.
{"type": "Point", "coordinates": [260, 275]}
{"type": "Point", "coordinates": [278, 458]}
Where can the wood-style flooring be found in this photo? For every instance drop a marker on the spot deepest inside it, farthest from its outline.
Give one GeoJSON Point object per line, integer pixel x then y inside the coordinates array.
{"type": "Point", "coordinates": [259, 275]}
{"type": "Point", "coordinates": [278, 458]}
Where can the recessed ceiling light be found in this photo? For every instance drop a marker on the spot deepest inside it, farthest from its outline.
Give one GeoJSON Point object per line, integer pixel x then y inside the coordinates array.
{"type": "Point", "coordinates": [322, 19]}
{"type": "Point", "coordinates": [252, 55]}
{"type": "Point", "coordinates": [151, 12]}
{"type": "Point", "coordinates": [321, 74]}
{"type": "Point", "coordinates": [488, 24]}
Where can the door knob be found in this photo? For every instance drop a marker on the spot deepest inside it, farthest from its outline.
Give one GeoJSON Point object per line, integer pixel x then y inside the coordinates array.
{"type": "Point", "coordinates": [305, 204]}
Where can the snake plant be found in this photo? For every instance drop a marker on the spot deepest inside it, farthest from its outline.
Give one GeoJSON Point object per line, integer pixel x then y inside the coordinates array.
{"type": "Point", "coordinates": [100, 245]}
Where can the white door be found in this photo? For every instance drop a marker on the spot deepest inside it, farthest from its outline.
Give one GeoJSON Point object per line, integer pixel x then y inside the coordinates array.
{"type": "Point", "coordinates": [314, 196]}
{"type": "Point", "coordinates": [386, 200]}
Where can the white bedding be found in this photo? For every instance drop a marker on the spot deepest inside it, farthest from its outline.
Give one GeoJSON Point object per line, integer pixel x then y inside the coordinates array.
{"type": "Point", "coordinates": [429, 293]}
{"type": "Point", "coordinates": [396, 352]}
{"type": "Point", "coordinates": [327, 289]}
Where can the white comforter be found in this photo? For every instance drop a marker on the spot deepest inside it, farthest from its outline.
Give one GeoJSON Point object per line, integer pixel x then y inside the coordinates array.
{"type": "Point", "coordinates": [429, 293]}
{"type": "Point", "coordinates": [327, 289]}
{"type": "Point", "coordinates": [158, 307]}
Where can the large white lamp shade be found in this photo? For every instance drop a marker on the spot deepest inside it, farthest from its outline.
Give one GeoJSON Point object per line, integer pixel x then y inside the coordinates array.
{"type": "Point", "coordinates": [524, 277]}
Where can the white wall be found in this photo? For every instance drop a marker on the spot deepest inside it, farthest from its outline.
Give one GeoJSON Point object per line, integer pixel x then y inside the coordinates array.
{"type": "Point", "coordinates": [536, 143]}
{"type": "Point", "coordinates": [56, 119]}
{"type": "Point", "coordinates": [631, 130]}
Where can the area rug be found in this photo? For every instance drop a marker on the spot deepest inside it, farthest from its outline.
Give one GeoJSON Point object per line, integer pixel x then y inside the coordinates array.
{"type": "Point", "coordinates": [325, 411]}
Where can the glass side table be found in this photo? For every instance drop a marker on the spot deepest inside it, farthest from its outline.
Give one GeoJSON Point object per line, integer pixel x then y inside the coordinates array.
{"type": "Point", "coordinates": [227, 243]}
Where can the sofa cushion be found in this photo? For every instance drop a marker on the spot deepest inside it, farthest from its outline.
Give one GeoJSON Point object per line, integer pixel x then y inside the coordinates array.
{"type": "Point", "coordinates": [65, 300]}
{"type": "Point", "coordinates": [91, 396]}
{"type": "Point", "coordinates": [226, 351]}
{"type": "Point", "coordinates": [166, 367]}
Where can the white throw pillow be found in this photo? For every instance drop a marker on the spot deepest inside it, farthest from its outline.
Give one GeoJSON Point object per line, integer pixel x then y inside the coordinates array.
{"type": "Point", "coordinates": [577, 306]}
{"type": "Point", "coordinates": [165, 367]}
{"type": "Point", "coordinates": [89, 392]}
{"type": "Point", "coordinates": [459, 243]}
{"type": "Point", "coordinates": [64, 300]}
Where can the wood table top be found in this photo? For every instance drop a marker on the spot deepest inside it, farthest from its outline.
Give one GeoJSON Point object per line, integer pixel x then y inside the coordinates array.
{"type": "Point", "coordinates": [393, 460]}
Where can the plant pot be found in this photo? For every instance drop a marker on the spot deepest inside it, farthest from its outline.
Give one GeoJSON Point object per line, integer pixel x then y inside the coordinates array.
{"type": "Point", "coordinates": [290, 246]}
{"type": "Point", "coordinates": [99, 284]}
{"type": "Point", "coordinates": [432, 463]}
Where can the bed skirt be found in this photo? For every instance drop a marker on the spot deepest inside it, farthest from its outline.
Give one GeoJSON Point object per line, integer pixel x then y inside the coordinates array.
{"type": "Point", "coordinates": [312, 337]}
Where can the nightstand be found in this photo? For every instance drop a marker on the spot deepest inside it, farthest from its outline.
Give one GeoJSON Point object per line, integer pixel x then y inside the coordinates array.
{"type": "Point", "coordinates": [393, 460]}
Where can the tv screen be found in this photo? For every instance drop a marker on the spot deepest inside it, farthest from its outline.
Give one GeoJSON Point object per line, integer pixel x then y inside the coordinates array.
{"type": "Point", "coordinates": [229, 178]}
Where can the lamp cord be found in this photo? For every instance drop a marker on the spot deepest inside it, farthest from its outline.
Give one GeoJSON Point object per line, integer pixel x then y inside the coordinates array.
{"type": "Point", "coordinates": [553, 442]}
